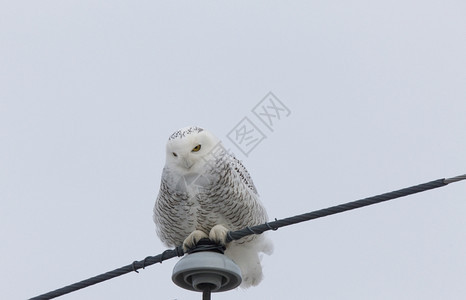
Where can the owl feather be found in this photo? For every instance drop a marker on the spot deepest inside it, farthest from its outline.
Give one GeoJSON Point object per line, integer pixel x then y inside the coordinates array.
{"type": "Point", "coordinates": [206, 192]}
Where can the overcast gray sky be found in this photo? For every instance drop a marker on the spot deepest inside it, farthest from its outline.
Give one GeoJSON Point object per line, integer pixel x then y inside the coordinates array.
{"type": "Point", "coordinates": [91, 90]}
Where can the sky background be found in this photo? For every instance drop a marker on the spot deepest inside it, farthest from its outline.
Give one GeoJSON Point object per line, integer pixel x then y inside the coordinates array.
{"type": "Point", "coordinates": [90, 91]}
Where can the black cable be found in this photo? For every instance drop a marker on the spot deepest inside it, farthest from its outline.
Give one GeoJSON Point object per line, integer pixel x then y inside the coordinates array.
{"type": "Point", "coordinates": [150, 260]}
{"type": "Point", "coordinates": [235, 235]}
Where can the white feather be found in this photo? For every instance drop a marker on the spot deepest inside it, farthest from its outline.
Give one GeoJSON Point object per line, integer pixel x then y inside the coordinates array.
{"type": "Point", "coordinates": [207, 192]}
{"type": "Point", "coordinates": [248, 257]}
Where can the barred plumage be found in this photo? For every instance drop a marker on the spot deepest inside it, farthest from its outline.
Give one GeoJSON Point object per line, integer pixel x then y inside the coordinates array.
{"type": "Point", "coordinates": [205, 192]}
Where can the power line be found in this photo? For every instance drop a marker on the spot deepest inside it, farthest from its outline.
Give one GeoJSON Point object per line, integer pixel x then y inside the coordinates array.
{"type": "Point", "coordinates": [135, 266]}
{"type": "Point", "coordinates": [455, 179]}
{"type": "Point", "coordinates": [235, 235]}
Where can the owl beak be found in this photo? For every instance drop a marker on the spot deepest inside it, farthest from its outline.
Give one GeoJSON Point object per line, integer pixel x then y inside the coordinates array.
{"type": "Point", "coordinates": [187, 163]}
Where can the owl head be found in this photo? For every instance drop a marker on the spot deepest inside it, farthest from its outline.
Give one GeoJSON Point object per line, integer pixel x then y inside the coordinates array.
{"type": "Point", "coordinates": [189, 148]}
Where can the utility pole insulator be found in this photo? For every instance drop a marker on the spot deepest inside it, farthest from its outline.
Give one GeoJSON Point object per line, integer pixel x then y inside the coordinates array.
{"type": "Point", "coordinates": [206, 272]}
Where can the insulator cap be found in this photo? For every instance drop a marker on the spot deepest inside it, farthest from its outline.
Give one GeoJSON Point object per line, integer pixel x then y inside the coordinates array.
{"type": "Point", "coordinates": [206, 270]}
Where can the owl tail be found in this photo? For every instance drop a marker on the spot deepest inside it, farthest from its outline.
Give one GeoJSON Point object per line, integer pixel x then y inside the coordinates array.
{"type": "Point", "coordinates": [248, 257]}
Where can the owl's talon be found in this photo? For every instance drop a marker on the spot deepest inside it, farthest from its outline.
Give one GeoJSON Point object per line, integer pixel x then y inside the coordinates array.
{"type": "Point", "coordinates": [218, 234]}
{"type": "Point", "coordinates": [192, 239]}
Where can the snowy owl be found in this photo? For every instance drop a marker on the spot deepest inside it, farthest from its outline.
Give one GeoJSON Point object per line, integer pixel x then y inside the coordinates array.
{"type": "Point", "coordinates": [204, 193]}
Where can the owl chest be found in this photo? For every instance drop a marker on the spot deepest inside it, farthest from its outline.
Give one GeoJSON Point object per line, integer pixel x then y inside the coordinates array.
{"type": "Point", "coordinates": [199, 212]}
{"type": "Point", "coordinates": [205, 201]}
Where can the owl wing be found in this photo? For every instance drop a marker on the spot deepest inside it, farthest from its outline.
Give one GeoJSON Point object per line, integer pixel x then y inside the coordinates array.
{"type": "Point", "coordinates": [243, 173]}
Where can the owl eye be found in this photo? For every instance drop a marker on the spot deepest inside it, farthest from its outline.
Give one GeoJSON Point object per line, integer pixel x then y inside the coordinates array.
{"type": "Point", "coordinates": [174, 154]}
{"type": "Point", "coordinates": [197, 148]}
